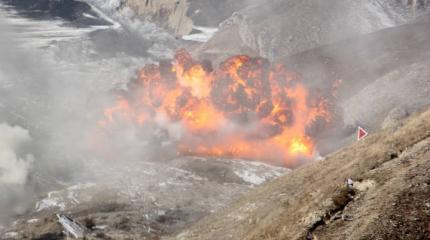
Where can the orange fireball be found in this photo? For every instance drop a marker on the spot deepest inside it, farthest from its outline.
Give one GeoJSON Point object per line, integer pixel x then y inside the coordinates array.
{"type": "Point", "coordinates": [244, 109]}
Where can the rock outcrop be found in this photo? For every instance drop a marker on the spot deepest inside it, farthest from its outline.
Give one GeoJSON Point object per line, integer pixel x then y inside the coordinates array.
{"type": "Point", "coordinates": [171, 14]}
{"type": "Point", "coordinates": [180, 15]}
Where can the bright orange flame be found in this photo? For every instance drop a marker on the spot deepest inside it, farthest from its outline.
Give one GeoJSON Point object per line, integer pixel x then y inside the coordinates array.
{"type": "Point", "coordinates": [193, 80]}
{"type": "Point", "coordinates": [299, 147]}
{"type": "Point", "coordinates": [202, 116]}
{"type": "Point", "coordinates": [244, 109]}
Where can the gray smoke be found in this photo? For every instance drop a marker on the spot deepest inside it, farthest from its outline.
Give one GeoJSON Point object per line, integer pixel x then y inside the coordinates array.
{"type": "Point", "coordinates": [15, 164]}
{"type": "Point", "coordinates": [56, 97]}
{"type": "Point", "coordinates": [42, 124]}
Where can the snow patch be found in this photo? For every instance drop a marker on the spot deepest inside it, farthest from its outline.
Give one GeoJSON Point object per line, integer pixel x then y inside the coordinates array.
{"type": "Point", "coordinates": [11, 234]}
{"type": "Point", "coordinates": [251, 172]}
{"type": "Point", "coordinates": [115, 25]}
{"type": "Point", "coordinates": [251, 177]}
{"type": "Point", "coordinates": [59, 199]}
{"type": "Point", "coordinates": [31, 221]}
{"type": "Point", "coordinates": [205, 34]}
{"type": "Point", "coordinates": [100, 227]}
{"type": "Point", "coordinates": [50, 202]}
{"type": "Point", "coordinates": [88, 16]}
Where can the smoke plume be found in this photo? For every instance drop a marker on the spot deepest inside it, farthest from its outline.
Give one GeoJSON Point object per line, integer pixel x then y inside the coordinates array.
{"type": "Point", "coordinates": [15, 164]}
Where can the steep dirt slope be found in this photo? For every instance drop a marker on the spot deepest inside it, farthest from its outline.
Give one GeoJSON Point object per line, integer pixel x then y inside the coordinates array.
{"type": "Point", "coordinates": [390, 198]}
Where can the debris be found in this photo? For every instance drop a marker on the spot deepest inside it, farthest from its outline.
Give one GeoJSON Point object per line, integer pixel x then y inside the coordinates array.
{"type": "Point", "coordinates": [364, 185]}
{"type": "Point", "coordinates": [349, 183]}
{"type": "Point", "coordinates": [31, 221]}
{"type": "Point", "coordinates": [11, 234]}
{"type": "Point", "coordinates": [100, 227]}
{"type": "Point", "coordinates": [71, 227]}
{"type": "Point", "coordinates": [347, 218]}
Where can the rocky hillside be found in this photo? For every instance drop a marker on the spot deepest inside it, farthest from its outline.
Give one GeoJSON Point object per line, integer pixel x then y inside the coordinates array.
{"type": "Point", "coordinates": [171, 14]}
{"type": "Point", "coordinates": [380, 72]}
{"type": "Point", "coordinates": [141, 200]}
{"type": "Point", "coordinates": [181, 15]}
{"type": "Point", "coordinates": [274, 29]}
{"type": "Point", "coordinates": [388, 197]}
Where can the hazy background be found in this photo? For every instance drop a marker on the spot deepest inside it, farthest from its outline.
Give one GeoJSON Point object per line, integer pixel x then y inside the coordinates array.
{"type": "Point", "coordinates": [50, 101]}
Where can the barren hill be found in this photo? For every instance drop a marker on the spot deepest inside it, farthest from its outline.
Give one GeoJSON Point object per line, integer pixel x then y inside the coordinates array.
{"type": "Point", "coordinates": [390, 197]}
{"type": "Point", "coordinates": [273, 28]}
{"type": "Point", "coordinates": [380, 71]}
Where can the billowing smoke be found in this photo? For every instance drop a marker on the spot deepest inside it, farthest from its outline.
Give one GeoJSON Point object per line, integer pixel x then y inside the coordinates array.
{"type": "Point", "coordinates": [54, 102]}
{"type": "Point", "coordinates": [14, 161]}
{"type": "Point", "coordinates": [15, 164]}
{"type": "Point", "coordinates": [41, 121]}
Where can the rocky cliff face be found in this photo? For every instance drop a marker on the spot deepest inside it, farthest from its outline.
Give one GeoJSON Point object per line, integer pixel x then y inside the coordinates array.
{"type": "Point", "coordinates": [181, 15]}
{"type": "Point", "coordinates": [172, 14]}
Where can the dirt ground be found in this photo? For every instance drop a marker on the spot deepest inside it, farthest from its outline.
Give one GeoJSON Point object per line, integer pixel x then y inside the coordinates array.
{"type": "Point", "coordinates": [143, 200]}
{"type": "Point", "coordinates": [390, 197]}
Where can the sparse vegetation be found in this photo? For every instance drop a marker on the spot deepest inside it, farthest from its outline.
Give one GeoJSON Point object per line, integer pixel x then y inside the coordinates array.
{"type": "Point", "coordinates": [389, 205]}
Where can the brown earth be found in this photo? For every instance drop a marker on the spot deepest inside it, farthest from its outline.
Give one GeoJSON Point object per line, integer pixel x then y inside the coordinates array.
{"type": "Point", "coordinates": [390, 198]}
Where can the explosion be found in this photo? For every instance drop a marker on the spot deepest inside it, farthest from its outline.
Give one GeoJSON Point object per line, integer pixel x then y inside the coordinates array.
{"type": "Point", "coordinates": [246, 108]}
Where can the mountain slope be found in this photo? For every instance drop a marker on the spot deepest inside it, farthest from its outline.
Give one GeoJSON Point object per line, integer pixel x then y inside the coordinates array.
{"type": "Point", "coordinates": [273, 29]}
{"type": "Point", "coordinates": [391, 195]}
{"type": "Point", "coordinates": [141, 200]}
{"type": "Point", "coordinates": [379, 71]}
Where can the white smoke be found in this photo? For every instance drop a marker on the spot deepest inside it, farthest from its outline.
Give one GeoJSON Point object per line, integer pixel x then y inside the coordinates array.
{"type": "Point", "coordinates": [14, 161]}
{"type": "Point", "coordinates": [54, 93]}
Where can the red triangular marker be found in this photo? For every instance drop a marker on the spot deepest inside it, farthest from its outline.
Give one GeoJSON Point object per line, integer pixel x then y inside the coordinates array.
{"type": "Point", "coordinates": [361, 133]}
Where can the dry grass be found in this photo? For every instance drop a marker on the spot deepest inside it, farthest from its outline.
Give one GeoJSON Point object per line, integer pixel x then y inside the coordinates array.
{"type": "Point", "coordinates": [290, 206]}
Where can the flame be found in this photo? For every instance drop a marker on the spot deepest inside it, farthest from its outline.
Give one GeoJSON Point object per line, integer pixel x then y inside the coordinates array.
{"type": "Point", "coordinates": [244, 109]}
